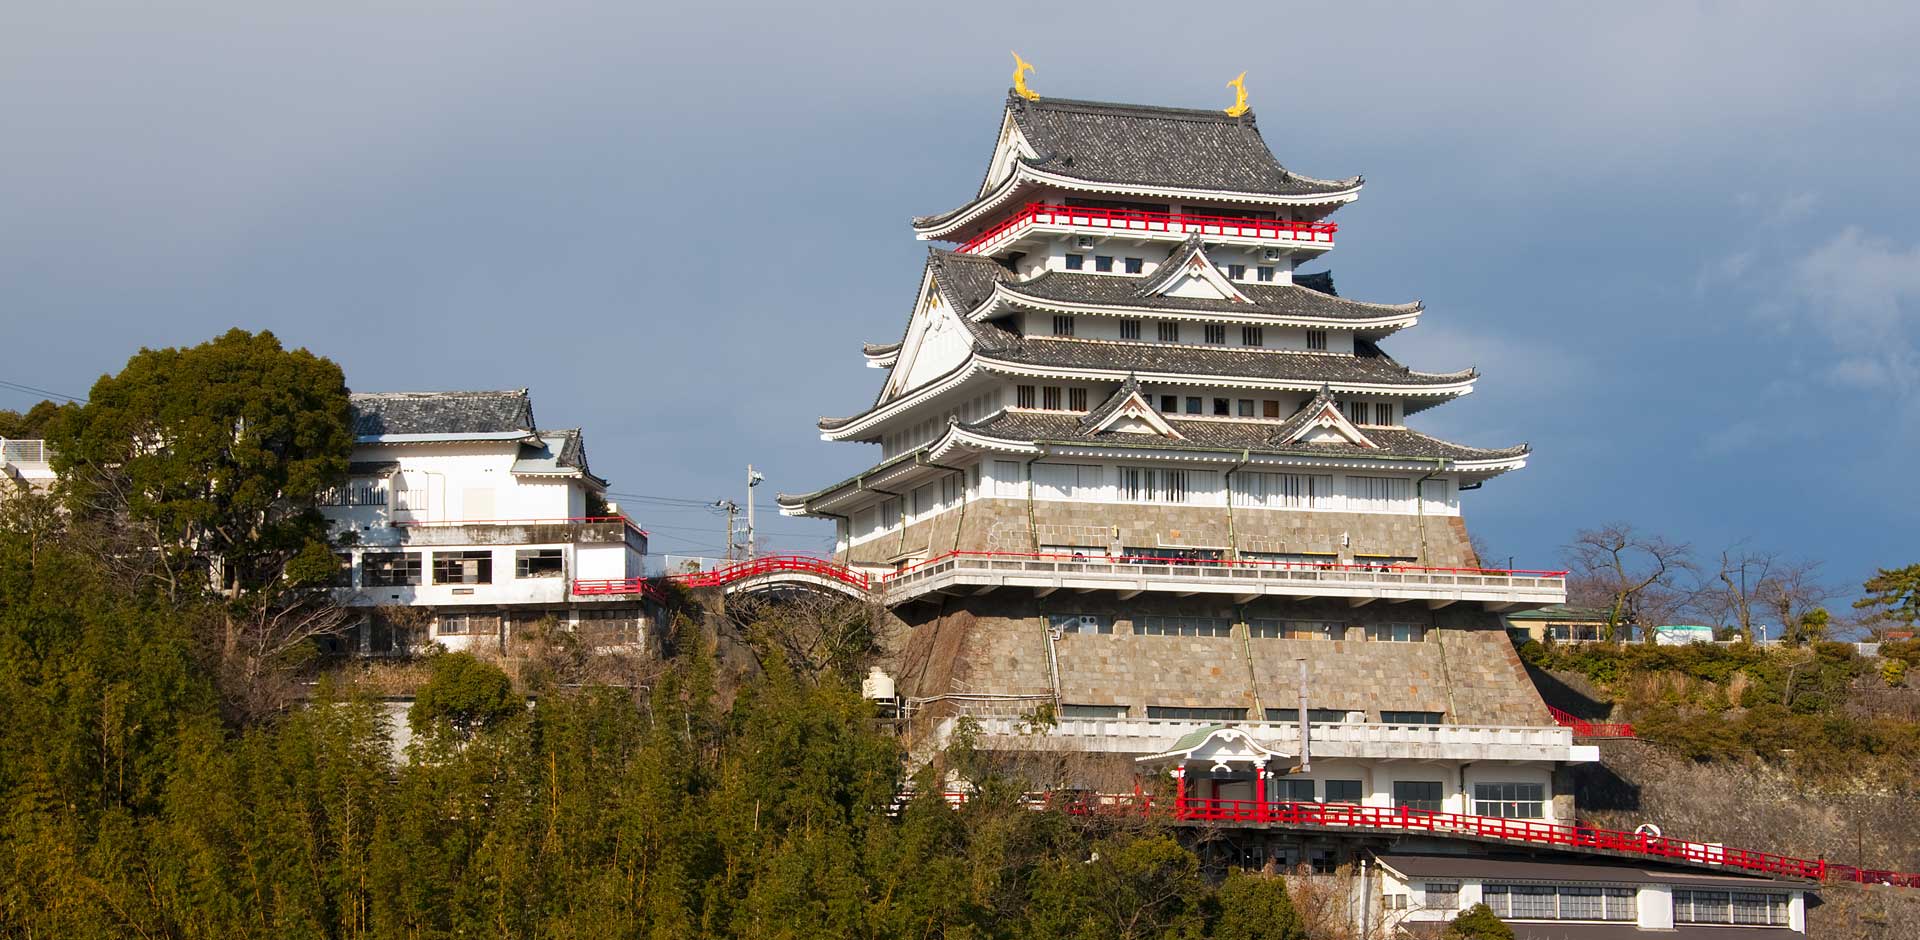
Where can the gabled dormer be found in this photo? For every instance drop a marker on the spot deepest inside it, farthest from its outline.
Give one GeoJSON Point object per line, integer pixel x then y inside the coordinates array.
{"type": "Point", "coordinates": [1189, 273]}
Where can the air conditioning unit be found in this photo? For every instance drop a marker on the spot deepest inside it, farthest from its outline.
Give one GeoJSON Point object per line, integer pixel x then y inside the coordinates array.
{"type": "Point", "coordinates": [1083, 241]}
{"type": "Point", "coordinates": [1270, 254]}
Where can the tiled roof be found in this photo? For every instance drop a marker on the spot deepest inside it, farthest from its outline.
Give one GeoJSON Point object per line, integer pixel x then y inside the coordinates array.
{"type": "Point", "coordinates": [1321, 281]}
{"type": "Point", "coordinates": [1145, 145]}
{"type": "Point", "coordinates": [1067, 428]}
{"type": "Point", "coordinates": [558, 451]}
{"type": "Point", "coordinates": [1128, 389]}
{"type": "Point", "coordinates": [1219, 361]}
{"type": "Point", "coordinates": [382, 413]}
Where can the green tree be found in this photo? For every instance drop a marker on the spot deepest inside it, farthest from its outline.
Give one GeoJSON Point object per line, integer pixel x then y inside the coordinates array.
{"type": "Point", "coordinates": [217, 452]}
{"type": "Point", "coordinates": [31, 423]}
{"type": "Point", "coordinates": [1255, 907]}
{"type": "Point", "coordinates": [1478, 923]}
{"type": "Point", "coordinates": [465, 695]}
{"type": "Point", "coordinates": [1892, 596]}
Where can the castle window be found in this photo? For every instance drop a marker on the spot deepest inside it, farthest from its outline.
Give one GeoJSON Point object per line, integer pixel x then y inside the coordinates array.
{"type": "Point", "coordinates": [1379, 494]}
{"type": "Point", "coordinates": [1129, 329]}
{"type": "Point", "coordinates": [1316, 716]}
{"type": "Point", "coordinates": [1193, 404]}
{"type": "Point", "coordinates": [463, 567]}
{"type": "Point", "coordinates": [1246, 407]}
{"type": "Point", "coordinates": [1050, 398]}
{"type": "Point", "coordinates": [1418, 794]}
{"type": "Point", "coordinates": [1222, 407]}
{"type": "Point", "coordinates": [1007, 478]}
{"type": "Point", "coordinates": [1253, 336]}
{"type": "Point", "coordinates": [1410, 718]}
{"type": "Point", "coordinates": [1103, 263]}
{"type": "Point", "coordinates": [539, 563]}
{"type": "Point", "coordinates": [1317, 339]}
{"type": "Point", "coordinates": [1170, 404]}
{"type": "Point", "coordinates": [1509, 800]}
{"type": "Point", "coordinates": [1383, 413]}
{"type": "Point", "coordinates": [1153, 485]}
{"type": "Point", "coordinates": [1076, 399]}
{"type": "Point", "coordinates": [1264, 273]}
{"type": "Point", "coordinates": [1237, 272]}
{"type": "Point", "coordinates": [1080, 623]}
{"type": "Point", "coordinates": [890, 514]}
{"type": "Point", "coordinates": [1024, 396]}
{"type": "Point", "coordinates": [1136, 265]}
{"type": "Point", "coordinates": [1269, 409]}
{"type": "Point", "coordinates": [1397, 633]}
{"type": "Point", "coordinates": [1062, 326]}
{"type": "Point", "coordinates": [1297, 630]}
{"type": "Point", "coordinates": [1216, 333]}
{"type": "Point", "coordinates": [1191, 713]}
{"type": "Point", "coordinates": [1169, 332]}
{"type": "Point", "coordinates": [1076, 262]}
{"type": "Point", "coordinates": [1359, 412]}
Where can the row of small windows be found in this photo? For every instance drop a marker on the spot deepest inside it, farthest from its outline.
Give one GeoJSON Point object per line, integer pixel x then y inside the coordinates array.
{"type": "Point", "coordinates": [1264, 273]}
{"type": "Point", "coordinates": [1562, 902]}
{"type": "Point", "coordinates": [1265, 629]}
{"type": "Point", "coordinates": [404, 569]}
{"type": "Point", "coordinates": [1229, 713]}
{"type": "Point", "coordinates": [1372, 413]}
{"type": "Point", "coordinates": [1050, 397]}
{"type": "Point", "coordinates": [1251, 489]}
{"type": "Point", "coordinates": [1168, 331]}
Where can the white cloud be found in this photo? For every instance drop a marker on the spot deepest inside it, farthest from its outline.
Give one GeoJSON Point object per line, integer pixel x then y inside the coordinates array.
{"type": "Point", "coordinates": [1862, 292]}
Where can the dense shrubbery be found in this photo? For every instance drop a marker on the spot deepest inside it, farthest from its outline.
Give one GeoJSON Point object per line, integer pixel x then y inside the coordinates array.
{"type": "Point", "coordinates": [1727, 701]}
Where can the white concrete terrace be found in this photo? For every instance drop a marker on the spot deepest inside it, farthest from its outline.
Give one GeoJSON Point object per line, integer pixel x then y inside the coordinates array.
{"type": "Point", "coordinates": [1358, 584]}
{"type": "Point", "coordinates": [1143, 736]}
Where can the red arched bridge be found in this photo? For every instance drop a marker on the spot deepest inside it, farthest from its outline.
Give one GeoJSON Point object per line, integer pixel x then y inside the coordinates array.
{"type": "Point", "coordinates": [769, 573]}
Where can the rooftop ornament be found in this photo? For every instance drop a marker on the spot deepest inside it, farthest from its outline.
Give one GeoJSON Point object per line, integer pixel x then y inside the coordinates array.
{"type": "Point", "coordinates": [1020, 69]}
{"type": "Point", "coordinates": [1239, 86]}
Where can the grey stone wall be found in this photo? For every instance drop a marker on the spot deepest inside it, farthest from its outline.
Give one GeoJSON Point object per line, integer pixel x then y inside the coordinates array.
{"type": "Point", "coordinates": [1004, 525]}
{"type": "Point", "coordinates": [1465, 667]}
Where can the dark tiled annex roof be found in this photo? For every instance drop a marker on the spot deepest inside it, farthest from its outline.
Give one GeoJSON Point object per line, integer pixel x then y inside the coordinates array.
{"type": "Point", "coordinates": [1321, 281]}
{"type": "Point", "coordinates": [1144, 145]}
{"type": "Point", "coordinates": [1220, 361]}
{"type": "Point", "coordinates": [556, 452]}
{"type": "Point", "coordinates": [1065, 428]}
{"type": "Point", "coordinates": [377, 413]}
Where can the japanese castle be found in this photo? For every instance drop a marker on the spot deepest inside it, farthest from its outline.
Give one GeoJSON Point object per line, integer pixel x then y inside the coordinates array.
{"type": "Point", "coordinates": [1149, 491]}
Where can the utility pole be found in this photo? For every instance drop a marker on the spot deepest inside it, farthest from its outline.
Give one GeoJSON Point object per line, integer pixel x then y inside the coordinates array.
{"type": "Point", "coordinates": [732, 508]}
{"type": "Point", "coordinates": [753, 479]}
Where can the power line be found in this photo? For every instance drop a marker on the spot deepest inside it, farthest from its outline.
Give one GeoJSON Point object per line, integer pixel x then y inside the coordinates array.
{"type": "Point", "coordinates": [44, 393]}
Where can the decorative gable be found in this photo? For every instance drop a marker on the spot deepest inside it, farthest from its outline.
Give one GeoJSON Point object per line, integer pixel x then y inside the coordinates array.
{"type": "Point", "coordinates": [1321, 422]}
{"type": "Point", "coordinates": [936, 344]}
{"type": "Point", "coordinates": [1128, 412]}
{"type": "Point", "coordinates": [1189, 273]}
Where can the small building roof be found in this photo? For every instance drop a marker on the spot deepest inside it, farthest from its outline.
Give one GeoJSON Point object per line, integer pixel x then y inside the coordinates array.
{"type": "Point", "coordinates": [1559, 613]}
{"type": "Point", "coordinates": [556, 453]}
{"type": "Point", "coordinates": [387, 414]}
{"type": "Point", "coordinates": [1529, 869]}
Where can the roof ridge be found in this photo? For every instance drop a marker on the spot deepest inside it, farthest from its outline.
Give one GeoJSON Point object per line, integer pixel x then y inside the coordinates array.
{"type": "Point", "coordinates": [440, 394]}
{"type": "Point", "coordinates": [1045, 102]}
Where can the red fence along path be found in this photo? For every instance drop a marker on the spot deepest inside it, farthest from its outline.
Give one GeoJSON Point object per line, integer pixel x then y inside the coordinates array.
{"type": "Point", "coordinates": [1591, 729]}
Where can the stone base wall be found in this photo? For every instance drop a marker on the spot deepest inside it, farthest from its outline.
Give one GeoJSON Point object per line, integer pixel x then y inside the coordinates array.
{"type": "Point", "coordinates": [1005, 525]}
{"type": "Point", "coordinates": [1465, 668]}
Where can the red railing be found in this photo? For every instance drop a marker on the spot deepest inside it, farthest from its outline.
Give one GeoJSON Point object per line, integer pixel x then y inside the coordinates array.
{"type": "Point", "coordinates": [1583, 728]}
{"type": "Point", "coordinates": [1228, 563]}
{"type": "Point", "coordinates": [1178, 223]}
{"type": "Point", "coordinates": [771, 564]}
{"type": "Point", "coordinates": [557, 520]}
{"type": "Point", "coordinates": [645, 587]}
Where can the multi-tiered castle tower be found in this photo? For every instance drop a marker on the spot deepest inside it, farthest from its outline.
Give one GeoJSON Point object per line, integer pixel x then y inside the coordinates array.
{"type": "Point", "coordinates": [1137, 466]}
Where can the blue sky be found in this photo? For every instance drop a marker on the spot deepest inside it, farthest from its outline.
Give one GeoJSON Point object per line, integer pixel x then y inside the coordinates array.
{"type": "Point", "coordinates": [1679, 240]}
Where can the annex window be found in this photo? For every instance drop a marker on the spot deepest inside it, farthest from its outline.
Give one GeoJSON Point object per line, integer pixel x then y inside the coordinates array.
{"type": "Point", "coordinates": [1154, 485]}
{"type": "Point", "coordinates": [1236, 272]}
{"type": "Point", "coordinates": [1417, 794]}
{"type": "Point", "coordinates": [1062, 325]}
{"type": "Point", "coordinates": [925, 500]}
{"type": "Point", "coordinates": [1282, 490]}
{"type": "Point", "coordinates": [1103, 263]}
{"type": "Point", "coordinates": [1216, 333]}
{"type": "Point", "coordinates": [1264, 273]}
{"type": "Point", "coordinates": [1244, 407]}
{"type": "Point", "coordinates": [1025, 396]}
{"type": "Point", "coordinates": [372, 492]}
{"type": "Point", "coordinates": [1050, 397]}
{"type": "Point", "coordinates": [1291, 790]}
{"type": "Point", "coordinates": [1253, 336]}
{"type": "Point", "coordinates": [1169, 332]}
{"type": "Point", "coordinates": [1080, 623]}
{"type": "Point", "coordinates": [1396, 633]}
{"type": "Point", "coordinates": [1760, 908]}
{"type": "Point", "coordinates": [1317, 716]}
{"type": "Point", "coordinates": [1222, 407]}
{"type": "Point", "coordinates": [1317, 339]}
{"type": "Point", "coordinates": [1441, 896]}
{"type": "Point", "coordinates": [1702, 907]}
{"type": "Point", "coordinates": [1129, 329]}
{"type": "Point", "coordinates": [1007, 478]}
{"type": "Point", "coordinates": [1359, 412]}
{"type": "Point", "coordinates": [1067, 481]}
{"type": "Point", "coordinates": [1170, 404]}
{"type": "Point", "coordinates": [1509, 800]}
{"type": "Point", "coordinates": [1193, 404]}
{"type": "Point", "coordinates": [1269, 409]}
{"type": "Point", "coordinates": [1296, 629]}
{"type": "Point", "coordinates": [463, 567]}
{"type": "Point", "coordinates": [1136, 265]}
{"type": "Point", "coordinates": [1193, 713]}
{"type": "Point", "coordinates": [611, 627]}
{"type": "Point", "coordinates": [1343, 791]}
{"type": "Point", "coordinates": [468, 624]}
{"type": "Point", "coordinates": [1184, 625]}
{"type": "Point", "coordinates": [1093, 711]}
{"type": "Point", "coordinates": [1383, 413]}
{"type": "Point", "coordinates": [342, 570]}
{"type": "Point", "coordinates": [539, 563]}
{"type": "Point", "coordinates": [1410, 718]}
{"type": "Point", "coordinates": [389, 569]}
{"type": "Point", "coordinates": [1076, 262]}
{"type": "Point", "coordinates": [1076, 399]}
{"type": "Point", "coordinates": [1567, 902]}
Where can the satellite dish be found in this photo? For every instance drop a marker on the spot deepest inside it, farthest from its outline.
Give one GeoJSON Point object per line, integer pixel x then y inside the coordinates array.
{"type": "Point", "coordinates": [1647, 829]}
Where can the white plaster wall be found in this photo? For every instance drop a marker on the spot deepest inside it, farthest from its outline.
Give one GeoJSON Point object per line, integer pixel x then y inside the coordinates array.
{"type": "Point", "coordinates": [1655, 903]}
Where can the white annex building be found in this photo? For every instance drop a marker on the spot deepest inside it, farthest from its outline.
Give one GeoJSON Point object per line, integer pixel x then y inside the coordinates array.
{"type": "Point", "coordinates": [461, 507]}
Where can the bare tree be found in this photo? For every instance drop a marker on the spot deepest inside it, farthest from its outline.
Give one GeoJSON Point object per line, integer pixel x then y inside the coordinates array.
{"type": "Point", "coordinates": [1636, 576]}
{"type": "Point", "coordinates": [1792, 591]}
{"type": "Point", "coordinates": [1728, 597]}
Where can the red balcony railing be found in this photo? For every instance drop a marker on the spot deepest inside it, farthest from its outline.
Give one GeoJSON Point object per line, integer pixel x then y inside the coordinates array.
{"type": "Point", "coordinates": [556, 520]}
{"type": "Point", "coordinates": [775, 564]}
{"type": "Point", "coordinates": [1128, 221]}
{"type": "Point", "coordinates": [1583, 728]}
